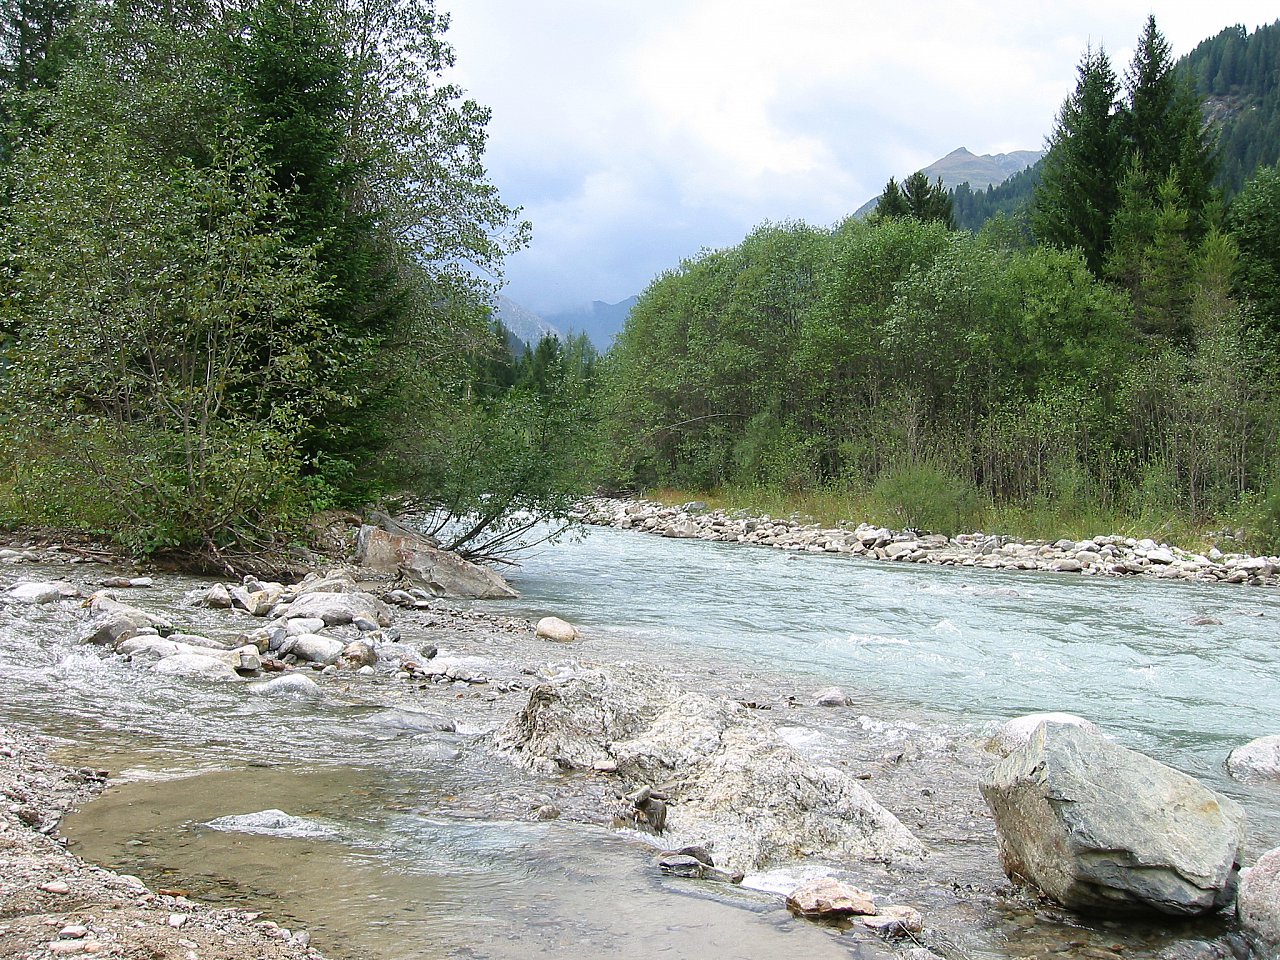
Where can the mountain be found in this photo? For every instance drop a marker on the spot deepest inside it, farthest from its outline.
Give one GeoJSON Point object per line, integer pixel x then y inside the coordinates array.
{"type": "Point", "coordinates": [600, 321]}
{"type": "Point", "coordinates": [980, 172]}
{"type": "Point", "coordinates": [522, 321]}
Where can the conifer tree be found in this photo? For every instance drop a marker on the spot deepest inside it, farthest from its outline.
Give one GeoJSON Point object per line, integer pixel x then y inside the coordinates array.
{"type": "Point", "coordinates": [928, 201]}
{"type": "Point", "coordinates": [892, 203]}
{"type": "Point", "coordinates": [1079, 189]}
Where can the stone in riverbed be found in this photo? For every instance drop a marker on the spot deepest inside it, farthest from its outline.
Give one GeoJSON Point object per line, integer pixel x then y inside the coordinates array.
{"type": "Point", "coordinates": [339, 608]}
{"type": "Point", "coordinates": [1099, 827]}
{"type": "Point", "coordinates": [829, 899]}
{"type": "Point", "coordinates": [315, 648]}
{"type": "Point", "coordinates": [289, 686]}
{"type": "Point", "coordinates": [1258, 904]}
{"type": "Point", "coordinates": [195, 665]}
{"type": "Point", "coordinates": [553, 628]}
{"type": "Point", "coordinates": [110, 629]}
{"type": "Point", "coordinates": [42, 592]}
{"type": "Point", "coordinates": [894, 921]}
{"type": "Point", "coordinates": [1256, 760]}
{"type": "Point", "coordinates": [833, 697]}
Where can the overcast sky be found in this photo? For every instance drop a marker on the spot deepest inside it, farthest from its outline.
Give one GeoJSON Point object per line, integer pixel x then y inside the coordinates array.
{"type": "Point", "coordinates": [635, 133]}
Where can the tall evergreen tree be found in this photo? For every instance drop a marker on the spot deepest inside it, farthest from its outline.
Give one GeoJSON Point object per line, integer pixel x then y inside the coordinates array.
{"type": "Point", "coordinates": [892, 203]}
{"type": "Point", "coordinates": [1079, 189]}
{"type": "Point", "coordinates": [928, 201]}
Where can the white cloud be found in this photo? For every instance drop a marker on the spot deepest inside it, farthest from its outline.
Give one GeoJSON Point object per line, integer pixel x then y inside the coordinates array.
{"type": "Point", "coordinates": [633, 134]}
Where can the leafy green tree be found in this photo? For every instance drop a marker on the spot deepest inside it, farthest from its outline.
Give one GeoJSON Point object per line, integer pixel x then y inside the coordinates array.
{"type": "Point", "coordinates": [1078, 193]}
{"type": "Point", "coordinates": [1255, 228]}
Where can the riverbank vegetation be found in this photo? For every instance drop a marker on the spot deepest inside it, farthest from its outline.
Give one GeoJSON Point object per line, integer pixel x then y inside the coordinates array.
{"type": "Point", "coordinates": [1108, 366]}
{"type": "Point", "coordinates": [247, 253]}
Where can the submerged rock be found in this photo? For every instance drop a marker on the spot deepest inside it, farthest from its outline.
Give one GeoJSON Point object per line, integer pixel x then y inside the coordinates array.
{"type": "Point", "coordinates": [275, 823]}
{"type": "Point", "coordinates": [1258, 759]}
{"type": "Point", "coordinates": [195, 665]}
{"type": "Point", "coordinates": [1099, 827]}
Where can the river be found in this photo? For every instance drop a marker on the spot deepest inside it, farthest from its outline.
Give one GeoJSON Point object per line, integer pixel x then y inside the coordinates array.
{"type": "Point", "coordinates": [425, 846]}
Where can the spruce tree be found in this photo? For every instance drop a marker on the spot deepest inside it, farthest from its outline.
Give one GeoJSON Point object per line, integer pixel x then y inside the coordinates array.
{"type": "Point", "coordinates": [928, 201]}
{"type": "Point", "coordinates": [892, 203]}
{"type": "Point", "coordinates": [1079, 189]}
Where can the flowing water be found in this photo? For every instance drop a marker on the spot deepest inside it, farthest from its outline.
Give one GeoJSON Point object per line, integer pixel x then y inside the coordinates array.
{"type": "Point", "coordinates": [420, 845]}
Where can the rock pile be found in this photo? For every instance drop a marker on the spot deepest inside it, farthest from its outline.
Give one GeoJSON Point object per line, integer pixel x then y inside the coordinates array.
{"type": "Point", "coordinates": [1101, 556]}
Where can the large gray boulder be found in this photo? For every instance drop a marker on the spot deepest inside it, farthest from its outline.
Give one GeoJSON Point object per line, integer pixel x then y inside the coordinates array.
{"type": "Point", "coordinates": [728, 781]}
{"type": "Point", "coordinates": [1258, 904]}
{"type": "Point", "coordinates": [1099, 827]}
{"type": "Point", "coordinates": [1016, 733]}
{"type": "Point", "coordinates": [420, 562]}
{"type": "Point", "coordinates": [1256, 760]}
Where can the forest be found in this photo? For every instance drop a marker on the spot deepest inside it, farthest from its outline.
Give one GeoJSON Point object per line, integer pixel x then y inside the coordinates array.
{"type": "Point", "coordinates": [248, 248]}
{"type": "Point", "coordinates": [1106, 362]}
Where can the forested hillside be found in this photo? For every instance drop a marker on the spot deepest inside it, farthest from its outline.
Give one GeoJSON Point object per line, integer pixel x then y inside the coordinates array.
{"type": "Point", "coordinates": [1117, 369]}
{"type": "Point", "coordinates": [1239, 74]}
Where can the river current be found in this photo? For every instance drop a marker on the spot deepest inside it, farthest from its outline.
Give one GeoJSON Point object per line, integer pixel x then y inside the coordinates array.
{"type": "Point", "coordinates": [425, 846]}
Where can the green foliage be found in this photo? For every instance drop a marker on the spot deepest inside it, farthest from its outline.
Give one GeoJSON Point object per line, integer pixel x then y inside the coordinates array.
{"type": "Point", "coordinates": [926, 495]}
{"type": "Point", "coordinates": [1255, 227]}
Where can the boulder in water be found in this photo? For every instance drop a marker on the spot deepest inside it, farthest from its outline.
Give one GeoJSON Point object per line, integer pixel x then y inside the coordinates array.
{"type": "Point", "coordinates": [339, 608]}
{"type": "Point", "coordinates": [1016, 733]}
{"type": "Point", "coordinates": [1256, 760]}
{"type": "Point", "coordinates": [1099, 827]}
{"type": "Point", "coordinates": [1258, 904]}
{"type": "Point", "coordinates": [41, 592]}
{"type": "Point", "coordinates": [553, 628]}
{"type": "Point", "coordinates": [314, 648]}
{"type": "Point", "coordinates": [288, 686]}
{"type": "Point", "coordinates": [195, 665]}
{"type": "Point", "coordinates": [110, 629]}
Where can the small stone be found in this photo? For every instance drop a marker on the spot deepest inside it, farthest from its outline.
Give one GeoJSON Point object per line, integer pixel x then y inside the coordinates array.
{"type": "Point", "coordinates": [366, 671]}
{"type": "Point", "coordinates": [605, 766]}
{"type": "Point", "coordinates": [73, 931]}
{"type": "Point", "coordinates": [681, 865]}
{"type": "Point", "coordinates": [548, 811]}
{"type": "Point", "coordinates": [176, 920]}
{"type": "Point", "coordinates": [56, 886]}
{"type": "Point", "coordinates": [827, 897]}
{"type": "Point", "coordinates": [894, 921]}
{"type": "Point", "coordinates": [833, 697]}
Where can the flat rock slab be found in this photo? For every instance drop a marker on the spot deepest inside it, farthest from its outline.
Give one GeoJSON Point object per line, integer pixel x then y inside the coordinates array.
{"type": "Point", "coordinates": [1102, 828]}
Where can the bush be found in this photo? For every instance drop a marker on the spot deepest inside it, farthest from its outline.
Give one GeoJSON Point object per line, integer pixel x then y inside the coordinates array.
{"type": "Point", "coordinates": [926, 495]}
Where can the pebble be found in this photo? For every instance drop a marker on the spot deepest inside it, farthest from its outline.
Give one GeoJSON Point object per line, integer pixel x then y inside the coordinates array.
{"type": "Point", "coordinates": [56, 886]}
{"type": "Point", "coordinates": [73, 931]}
{"type": "Point", "coordinates": [176, 920]}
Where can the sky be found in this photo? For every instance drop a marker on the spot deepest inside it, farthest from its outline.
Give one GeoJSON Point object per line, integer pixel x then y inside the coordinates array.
{"type": "Point", "coordinates": [636, 133]}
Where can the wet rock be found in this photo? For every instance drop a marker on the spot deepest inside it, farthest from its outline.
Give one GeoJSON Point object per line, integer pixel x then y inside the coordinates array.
{"type": "Point", "coordinates": [289, 686]}
{"type": "Point", "coordinates": [314, 648]}
{"type": "Point", "coordinates": [833, 697]}
{"type": "Point", "coordinates": [195, 665]}
{"type": "Point", "coordinates": [1258, 904]}
{"type": "Point", "coordinates": [103, 604]}
{"type": "Point", "coordinates": [1017, 733]}
{"type": "Point", "coordinates": [339, 608]}
{"type": "Point", "coordinates": [446, 574]}
{"type": "Point", "coordinates": [553, 628]}
{"type": "Point", "coordinates": [300, 625]}
{"type": "Point", "coordinates": [36, 592]}
{"type": "Point", "coordinates": [339, 581]}
{"type": "Point", "coordinates": [195, 640]}
{"type": "Point", "coordinates": [110, 629]}
{"type": "Point", "coordinates": [359, 654]}
{"type": "Point", "coordinates": [409, 721]}
{"type": "Point", "coordinates": [681, 865]}
{"type": "Point", "coordinates": [571, 722]}
{"type": "Point", "coordinates": [256, 603]}
{"type": "Point", "coordinates": [894, 921]}
{"type": "Point", "coordinates": [1256, 760]}
{"type": "Point", "coordinates": [829, 899]}
{"type": "Point", "coordinates": [217, 597]}
{"type": "Point", "coordinates": [548, 811]}
{"type": "Point", "coordinates": [1099, 827]}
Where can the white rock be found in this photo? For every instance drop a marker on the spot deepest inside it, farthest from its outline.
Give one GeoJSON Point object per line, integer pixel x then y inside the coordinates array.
{"type": "Point", "coordinates": [317, 649]}
{"type": "Point", "coordinates": [36, 592]}
{"type": "Point", "coordinates": [195, 665]}
{"type": "Point", "coordinates": [1258, 904]}
{"type": "Point", "coordinates": [289, 686]}
{"type": "Point", "coordinates": [1258, 759]}
{"type": "Point", "coordinates": [553, 628]}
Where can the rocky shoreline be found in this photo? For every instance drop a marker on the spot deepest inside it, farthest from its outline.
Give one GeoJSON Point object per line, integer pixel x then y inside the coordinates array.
{"type": "Point", "coordinates": [53, 904]}
{"type": "Point", "coordinates": [1110, 556]}
{"type": "Point", "coordinates": [725, 778]}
